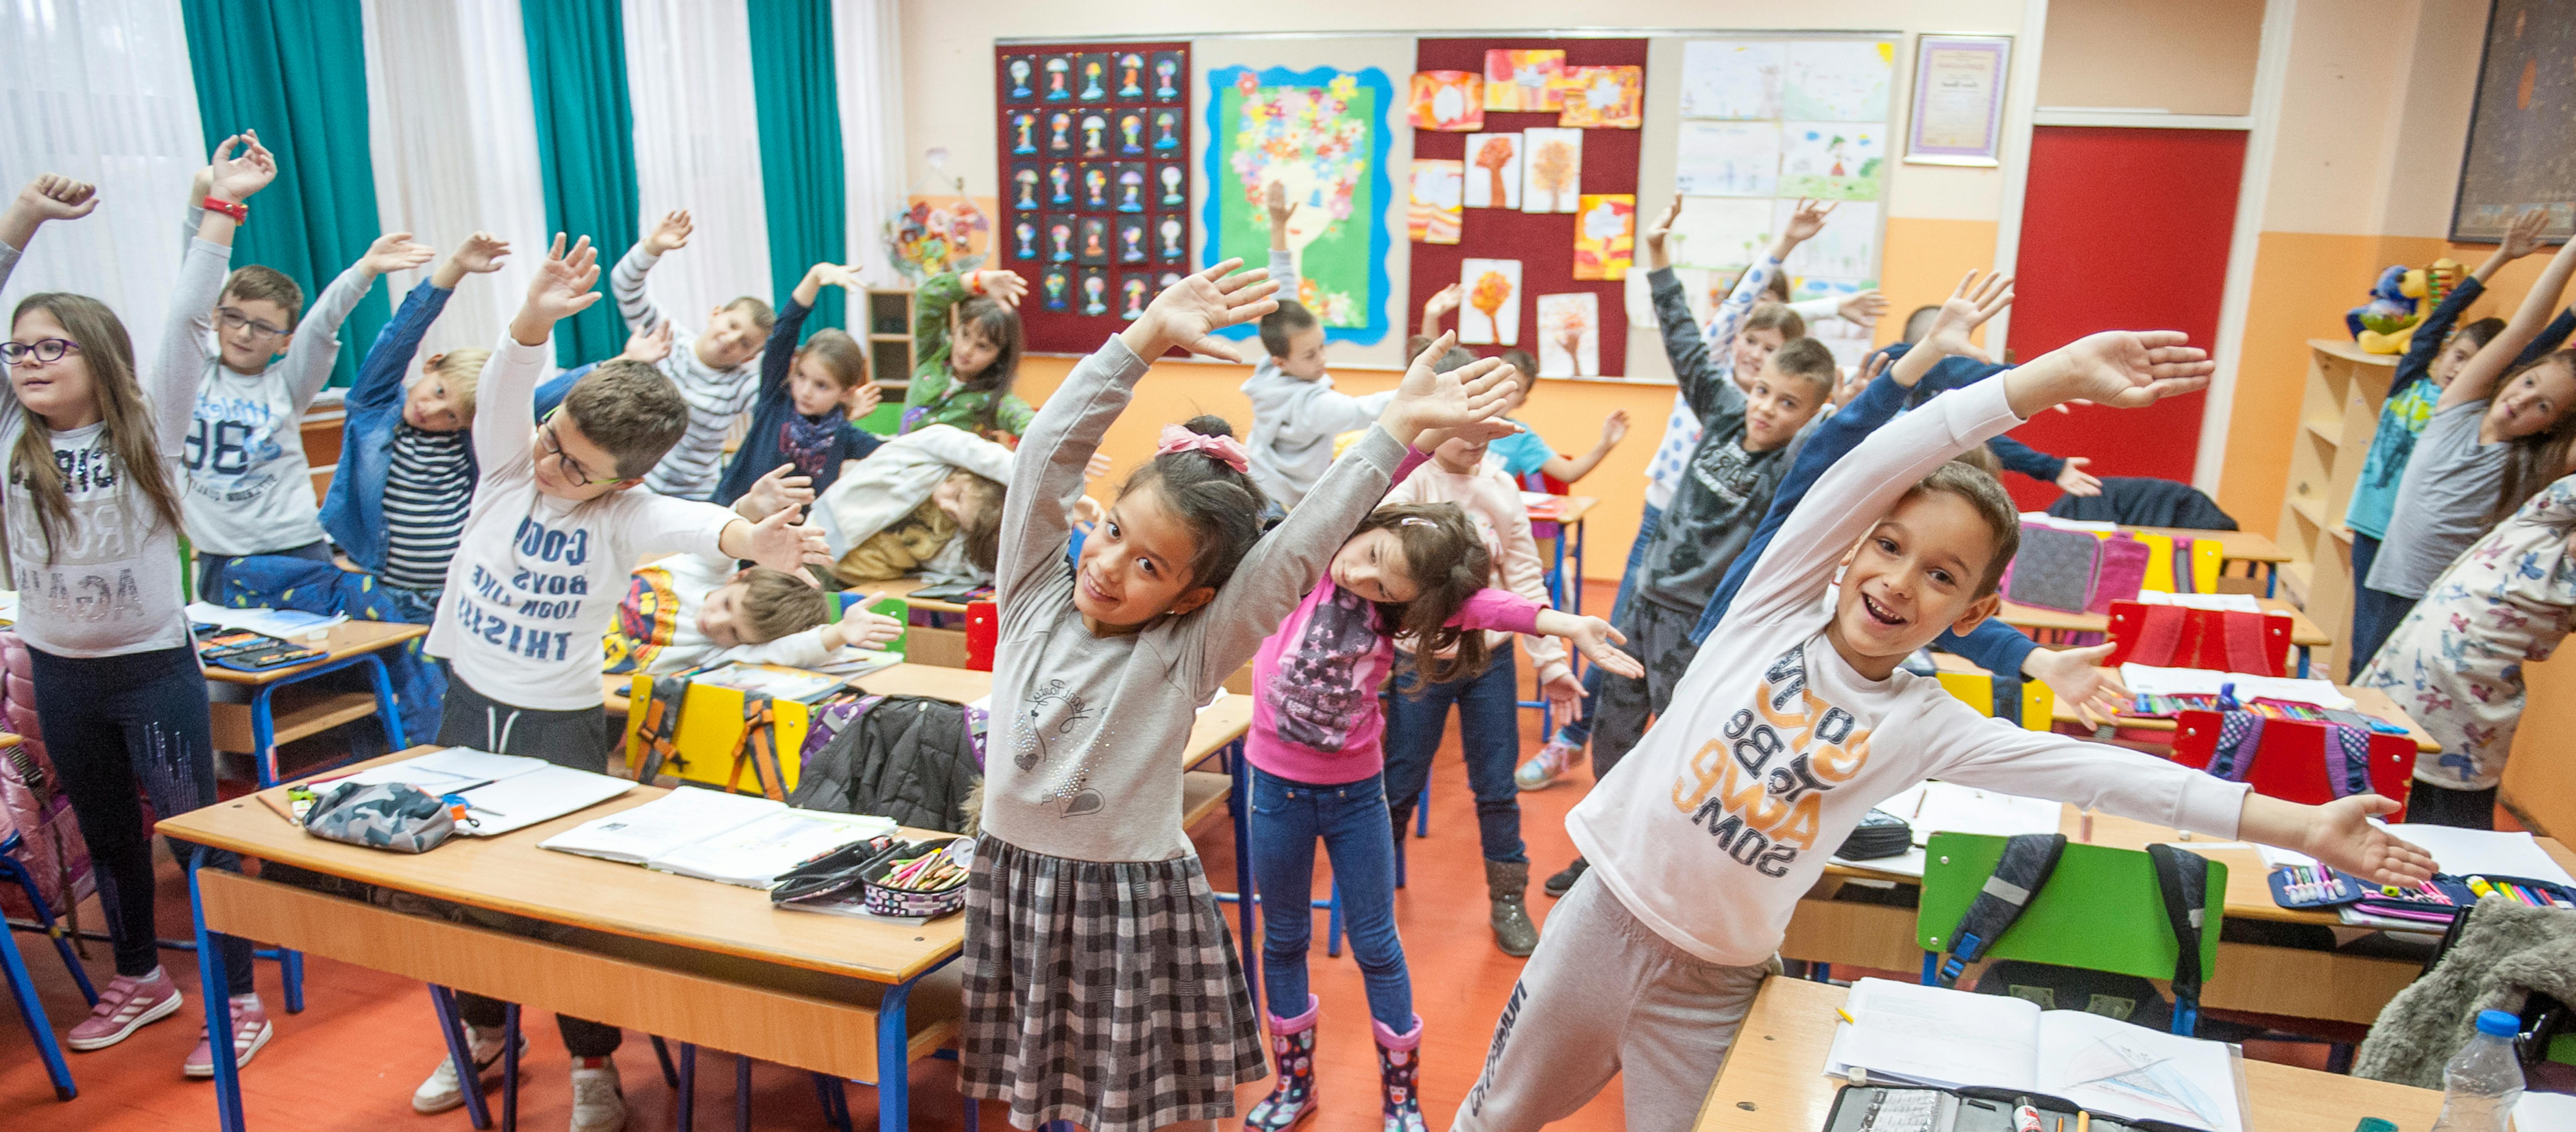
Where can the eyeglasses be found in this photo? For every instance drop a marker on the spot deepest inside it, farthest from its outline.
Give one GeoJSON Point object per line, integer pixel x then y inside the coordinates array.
{"type": "Point", "coordinates": [571, 468]}
{"type": "Point", "coordinates": [235, 320]}
{"type": "Point", "coordinates": [49, 350]}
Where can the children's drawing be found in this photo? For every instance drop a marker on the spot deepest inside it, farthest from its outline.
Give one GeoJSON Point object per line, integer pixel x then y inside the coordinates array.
{"type": "Point", "coordinates": [1435, 215]}
{"type": "Point", "coordinates": [1569, 335]}
{"type": "Point", "coordinates": [1728, 78]}
{"type": "Point", "coordinates": [1727, 159]}
{"type": "Point", "coordinates": [1603, 97]}
{"type": "Point", "coordinates": [1837, 80]}
{"type": "Point", "coordinates": [1831, 160]}
{"type": "Point", "coordinates": [1724, 232]}
{"type": "Point", "coordinates": [1323, 134]}
{"type": "Point", "coordinates": [1493, 171]}
{"type": "Point", "coordinates": [1552, 170]}
{"type": "Point", "coordinates": [1493, 313]}
{"type": "Point", "coordinates": [1605, 236]}
{"type": "Point", "coordinates": [1523, 80]}
{"type": "Point", "coordinates": [1448, 100]}
{"type": "Point", "coordinates": [1846, 249]}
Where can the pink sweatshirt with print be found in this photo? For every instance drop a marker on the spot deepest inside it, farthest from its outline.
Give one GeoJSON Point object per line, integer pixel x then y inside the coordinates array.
{"type": "Point", "coordinates": [1315, 712]}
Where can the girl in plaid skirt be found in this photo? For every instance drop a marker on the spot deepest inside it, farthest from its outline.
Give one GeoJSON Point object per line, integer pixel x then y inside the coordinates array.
{"type": "Point", "coordinates": [1100, 985]}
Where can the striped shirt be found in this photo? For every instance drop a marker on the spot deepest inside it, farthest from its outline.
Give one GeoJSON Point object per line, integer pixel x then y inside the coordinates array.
{"type": "Point", "coordinates": [690, 470]}
{"type": "Point", "coordinates": [427, 491]}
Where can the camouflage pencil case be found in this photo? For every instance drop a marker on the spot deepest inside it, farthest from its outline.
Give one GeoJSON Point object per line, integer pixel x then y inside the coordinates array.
{"type": "Point", "coordinates": [394, 816]}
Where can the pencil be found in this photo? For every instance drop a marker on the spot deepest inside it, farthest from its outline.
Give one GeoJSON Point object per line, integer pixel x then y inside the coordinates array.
{"type": "Point", "coordinates": [2083, 1121]}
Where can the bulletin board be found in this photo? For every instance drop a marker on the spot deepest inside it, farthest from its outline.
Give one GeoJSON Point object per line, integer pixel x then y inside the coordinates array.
{"type": "Point", "coordinates": [2522, 128]}
{"type": "Point", "coordinates": [1543, 243]}
{"type": "Point", "coordinates": [1094, 147]}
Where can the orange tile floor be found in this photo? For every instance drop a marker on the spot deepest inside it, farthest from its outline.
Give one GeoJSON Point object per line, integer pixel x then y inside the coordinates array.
{"type": "Point", "coordinates": [366, 1039]}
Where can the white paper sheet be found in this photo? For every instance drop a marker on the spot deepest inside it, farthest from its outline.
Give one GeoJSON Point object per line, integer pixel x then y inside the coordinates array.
{"type": "Point", "coordinates": [1846, 249]}
{"type": "Point", "coordinates": [446, 771]}
{"type": "Point", "coordinates": [2147, 680]}
{"type": "Point", "coordinates": [285, 624]}
{"type": "Point", "coordinates": [1723, 78]}
{"type": "Point", "coordinates": [1984, 1039]}
{"type": "Point", "coordinates": [662, 825]}
{"type": "Point", "coordinates": [1839, 80]}
{"type": "Point", "coordinates": [1722, 232]}
{"type": "Point", "coordinates": [2229, 603]}
{"type": "Point", "coordinates": [755, 853]}
{"type": "Point", "coordinates": [1727, 159]}
{"type": "Point", "coordinates": [2545, 1112]}
{"type": "Point", "coordinates": [537, 796]}
{"type": "Point", "coordinates": [2463, 852]}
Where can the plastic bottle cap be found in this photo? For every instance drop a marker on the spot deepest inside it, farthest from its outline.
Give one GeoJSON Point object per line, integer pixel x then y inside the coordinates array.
{"type": "Point", "coordinates": [2374, 1124]}
{"type": "Point", "coordinates": [2498, 1024]}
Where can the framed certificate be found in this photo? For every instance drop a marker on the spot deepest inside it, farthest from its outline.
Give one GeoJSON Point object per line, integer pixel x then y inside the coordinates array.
{"type": "Point", "coordinates": [1958, 99]}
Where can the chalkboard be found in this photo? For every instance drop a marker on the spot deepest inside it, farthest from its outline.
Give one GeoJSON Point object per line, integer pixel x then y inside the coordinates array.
{"type": "Point", "coordinates": [2522, 129]}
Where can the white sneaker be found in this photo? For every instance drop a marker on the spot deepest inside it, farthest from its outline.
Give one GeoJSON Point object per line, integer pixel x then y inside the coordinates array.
{"type": "Point", "coordinates": [598, 1104]}
{"type": "Point", "coordinates": [1549, 765]}
{"type": "Point", "coordinates": [443, 1090]}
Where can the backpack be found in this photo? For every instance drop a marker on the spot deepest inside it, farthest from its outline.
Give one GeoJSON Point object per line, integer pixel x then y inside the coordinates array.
{"type": "Point", "coordinates": [50, 846]}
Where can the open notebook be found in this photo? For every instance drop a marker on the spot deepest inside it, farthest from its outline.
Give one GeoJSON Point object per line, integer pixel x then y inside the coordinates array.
{"type": "Point", "coordinates": [1947, 1038]}
{"type": "Point", "coordinates": [714, 835]}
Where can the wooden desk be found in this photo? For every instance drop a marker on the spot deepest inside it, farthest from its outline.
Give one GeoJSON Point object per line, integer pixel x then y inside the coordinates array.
{"type": "Point", "coordinates": [2304, 634]}
{"type": "Point", "coordinates": [705, 963]}
{"type": "Point", "coordinates": [2255, 550]}
{"type": "Point", "coordinates": [904, 587]}
{"type": "Point", "coordinates": [2368, 701]}
{"type": "Point", "coordinates": [1774, 1078]}
{"type": "Point", "coordinates": [275, 715]}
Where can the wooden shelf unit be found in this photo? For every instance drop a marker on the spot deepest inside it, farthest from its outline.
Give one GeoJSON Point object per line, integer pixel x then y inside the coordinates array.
{"type": "Point", "coordinates": [888, 329]}
{"type": "Point", "coordinates": [2338, 414]}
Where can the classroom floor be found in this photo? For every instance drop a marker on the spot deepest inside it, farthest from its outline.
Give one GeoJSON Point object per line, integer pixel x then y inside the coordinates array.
{"type": "Point", "coordinates": [366, 1038]}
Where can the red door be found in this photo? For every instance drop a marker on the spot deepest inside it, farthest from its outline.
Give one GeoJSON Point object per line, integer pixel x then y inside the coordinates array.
{"type": "Point", "coordinates": [2122, 229]}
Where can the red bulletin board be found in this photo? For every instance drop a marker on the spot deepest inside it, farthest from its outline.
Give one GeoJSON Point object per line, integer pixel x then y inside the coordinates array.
{"type": "Point", "coordinates": [1543, 242]}
{"type": "Point", "coordinates": [1068, 330]}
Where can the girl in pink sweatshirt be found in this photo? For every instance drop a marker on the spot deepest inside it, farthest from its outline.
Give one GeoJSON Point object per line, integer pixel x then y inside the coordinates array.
{"type": "Point", "coordinates": [1414, 573]}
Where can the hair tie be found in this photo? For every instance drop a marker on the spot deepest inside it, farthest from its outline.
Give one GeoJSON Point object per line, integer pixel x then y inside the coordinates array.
{"type": "Point", "coordinates": [1222, 449]}
{"type": "Point", "coordinates": [1415, 521]}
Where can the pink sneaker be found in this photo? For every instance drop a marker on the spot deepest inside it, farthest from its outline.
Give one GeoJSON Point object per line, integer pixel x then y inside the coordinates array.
{"type": "Point", "coordinates": [125, 1005]}
{"type": "Point", "coordinates": [250, 1031]}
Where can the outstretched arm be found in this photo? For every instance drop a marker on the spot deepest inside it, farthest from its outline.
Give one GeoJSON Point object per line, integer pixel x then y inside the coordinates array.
{"type": "Point", "coordinates": [2477, 378]}
{"type": "Point", "coordinates": [1614, 428]}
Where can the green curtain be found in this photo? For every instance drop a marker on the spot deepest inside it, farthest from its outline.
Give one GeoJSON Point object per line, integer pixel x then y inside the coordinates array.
{"type": "Point", "coordinates": [793, 85]}
{"type": "Point", "coordinates": [585, 149]}
{"type": "Point", "coordinates": [296, 71]}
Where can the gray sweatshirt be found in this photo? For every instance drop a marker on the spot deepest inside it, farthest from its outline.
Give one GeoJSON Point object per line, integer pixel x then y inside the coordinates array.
{"type": "Point", "coordinates": [1295, 420]}
{"type": "Point", "coordinates": [1089, 731]}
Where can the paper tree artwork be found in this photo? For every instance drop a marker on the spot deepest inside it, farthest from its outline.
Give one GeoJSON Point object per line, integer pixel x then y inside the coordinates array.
{"type": "Point", "coordinates": [1493, 314]}
{"type": "Point", "coordinates": [1725, 231]}
{"type": "Point", "coordinates": [1522, 80]}
{"type": "Point", "coordinates": [1831, 160]}
{"type": "Point", "coordinates": [1837, 80]}
{"type": "Point", "coordinates": [1846, 249]}
{"type": "Point", "coordinates": [1607, 97]}
{"type": "Point", "coordinates": [1448, 100]}
{"type": "Point", "coordinates": [1605, 236]}
{"type": "Point", "coordinates": [1438, 189]}
{"type": "Point", "coordinates": [1552, 170]}
{"type": "Point", "coordinates": [1321, 141]}
{"type": "Point", "coordinates": [1569, 335]}
{"type": "Point", "coordinates": [1727, 159]}
{"type": "Point", "coordinates": [1493, 171]}
{"type": "Point", "coordinates": [1724, 78]}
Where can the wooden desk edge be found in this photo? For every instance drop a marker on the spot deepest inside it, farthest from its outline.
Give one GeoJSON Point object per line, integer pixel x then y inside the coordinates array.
{"type": "Point", "coordinates": [397, 633]}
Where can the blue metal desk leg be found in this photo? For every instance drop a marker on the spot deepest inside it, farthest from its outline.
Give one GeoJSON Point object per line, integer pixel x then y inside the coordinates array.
{"type": "Point", "coordinates": [510, 1069]}
{"type": "Point", "coordinates": [689, 1086]}
{"type": "Point", "coordinates": [459, 1053]}
{"type": "Point", "coordinates": [894, 1059]}
{"type": "Point", "coordinates": [23, 985]}
{"type": "Point", "coordinates": [263, 733]}
{"type": "Point", "coordinates": [1578, 568]}
{"type": "Point", "coordinates": [219, 1004]}
{"type": "Point", "coordinates": [2303, 662]}
{"type": "Point", "coordinates": [1246, 900]}
{"type": "Point", "coordinates": [387, 711]}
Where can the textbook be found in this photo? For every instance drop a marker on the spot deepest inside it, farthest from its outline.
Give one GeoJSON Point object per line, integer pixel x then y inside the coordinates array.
{"type": "Point", "coordinates": [714, 835]}
{"type": "Point", "coordinates": [1905, 1033]}
{"type": "Point", "coordinates": [777, 681]}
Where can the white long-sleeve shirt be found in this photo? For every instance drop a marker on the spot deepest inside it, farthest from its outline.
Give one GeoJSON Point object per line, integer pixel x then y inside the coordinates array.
{"type": "Point", "coordinates": [1774, 747]}
{"type": "Point", "coordinates": [676, 588]}
{"type": "Point", "coordinates": [715, 396]}
{"type": "Point", "coordinates": [1493, 503]}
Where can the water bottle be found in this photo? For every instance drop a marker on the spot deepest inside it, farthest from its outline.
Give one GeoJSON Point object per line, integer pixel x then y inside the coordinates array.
{"type": "Point", "coordinates": [2484, 1079]}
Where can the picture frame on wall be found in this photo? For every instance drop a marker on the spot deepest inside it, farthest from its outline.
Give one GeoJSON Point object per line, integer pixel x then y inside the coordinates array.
{"type": "Point", "coordinates": [1958, 105]}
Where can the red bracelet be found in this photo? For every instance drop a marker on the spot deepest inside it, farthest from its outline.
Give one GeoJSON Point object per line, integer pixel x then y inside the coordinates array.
{"type": "Point", "coordinates": [237, 210]}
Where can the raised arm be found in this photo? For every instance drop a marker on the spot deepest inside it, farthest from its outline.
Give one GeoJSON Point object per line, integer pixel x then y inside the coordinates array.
{"type": "Point", "coordinates": [778, 356]}
{"type": "Point", "coordinates": [2477, 378]}
{"type": "Point", "coordinates": [931, 303]}
{"type": "Point", "coordinates": [388, 361]}
{"type": "Point", "coordinates": [1525, 575]}
{"type": "Point", "coordinates": [565, 285]}
{"type": "Point", "coordinates": [171, 383]}
{"type": "Point", "coordinates": [316, 348]}
{"type": "Point", "coordinates": [1283, 261]}
{"type": "Point", "coordinates": [1614, 428]}
{"type": "Point", "coordinates": [634, 302]}
{"type": "Point", "coordinates": [50, 196]}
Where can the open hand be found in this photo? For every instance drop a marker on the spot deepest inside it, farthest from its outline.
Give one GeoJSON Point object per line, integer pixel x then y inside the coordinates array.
{"type": "Point", "coordinates": [2339, 835]}
{"type": "Point", "coordinates": [1275, 202]}
{"type": "Point", "coordinates": [1188, 314]}
{"type": "Point", "coordinates": [1614, 428]}
{"type": "Point", "coordinates": [2128, 369]}
{"type": "Point", "coordinates": [1565, 694]}
{"type": "Point", "coordinates": [1661, 230]}
{"type": "Point", "coordinates": [2097, 693]}
{"type": "Point", "coordinates": [236, 175]}
{"type": "Point", "coordinates": [859, 628]}
{"type": "Point", "coordinates": [865, 399]}
{"type": "Point", "coordinates": [776, 490]}
{"type": "Point", "coordinates": [1088, 512]}
{"type": "Point", "coordinates": [1868, 372]}
{"type": "Point", "coordinates": [1863, 308]}
{"type": "Point", "coordinates": [566, 283]}
{"type": "Point", "coordinates": [395, 251]}
{"type": "Point", "coordinates": [2074, 480]}
{"type": "Point", "coordinates": [649, 346]}
{"type": "Point", "coordinates": [781, 543]}
{"type": "Point", "coordinates": [1004, 287]}
{"type": "Point", "coordinates": [2523, 237]}
{"type": "Point", "coordinates": [1964, 311]}
{"type": "Point", "coordinates": [481, 252]}
{"type": "Point", "coordinates": [1807, 219]}
{"type": "Point", "coordinates": [1442, 303]}
{"type": "Point", "coordinates": [671, 234]}
{"type": "Point", "coordinates": [52, 196]}
{"type": "Point", "coordinates": [1467, 402]}
{"type": "Point", "coordinates": [1598, 640]}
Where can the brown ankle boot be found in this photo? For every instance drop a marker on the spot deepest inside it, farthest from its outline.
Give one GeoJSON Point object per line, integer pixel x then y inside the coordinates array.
{"type": "Point", "coordinates": [1507, 885]}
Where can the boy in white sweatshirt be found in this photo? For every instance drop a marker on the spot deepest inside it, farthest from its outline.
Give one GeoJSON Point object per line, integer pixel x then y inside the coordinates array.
{"type": "Point", "coordinates": [1296, 412]}
{"type": "Point", "coordinates": [1794, 720]}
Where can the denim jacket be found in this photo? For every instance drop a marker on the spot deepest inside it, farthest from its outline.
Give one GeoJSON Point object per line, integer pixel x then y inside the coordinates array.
{"type": "Point", "coordinates": [353, 511]}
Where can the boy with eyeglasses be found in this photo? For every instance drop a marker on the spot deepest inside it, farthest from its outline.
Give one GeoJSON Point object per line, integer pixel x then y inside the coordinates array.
{"type": "Point", "coordinates": [548, 545]}
{"type": "Point", "coordinates": [250, 490]}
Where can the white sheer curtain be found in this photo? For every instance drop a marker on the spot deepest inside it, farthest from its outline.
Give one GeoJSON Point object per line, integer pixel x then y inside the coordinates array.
{"type": "Point", "coordinates": [100, 90]}
{"type": "Point", "coordinates": [697, 146]}
{"type": "Point", "coordinates": [867, 50]}
{"type": "Point", "coordinates": [454, 138]}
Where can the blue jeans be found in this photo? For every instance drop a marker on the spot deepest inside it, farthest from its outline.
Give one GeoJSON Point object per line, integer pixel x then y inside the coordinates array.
{"type": "Point", "coordinates": [2375, 613]}
{"type": "Point", "coordinates": [1350, 817]}
{"type": "Point", "coordinates": [1489, 733]}
{"type": "Point", "coordinates": [1578, 732]}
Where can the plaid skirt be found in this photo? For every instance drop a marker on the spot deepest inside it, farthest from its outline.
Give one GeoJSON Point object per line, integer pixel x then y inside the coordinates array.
{"type": "Point", "coordinates": [1103, 993]}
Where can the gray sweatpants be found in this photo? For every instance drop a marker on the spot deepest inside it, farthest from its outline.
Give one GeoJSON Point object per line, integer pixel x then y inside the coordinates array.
{"type": "Point", "coordinates": [1604, 995]}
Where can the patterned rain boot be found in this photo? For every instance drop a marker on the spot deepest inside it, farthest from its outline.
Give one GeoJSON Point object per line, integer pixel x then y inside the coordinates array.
{"type": "Point", "coordinates": [1292, 1100]}
{"type": "Point", "coordinates": [1399, 1070]}
{"type": "Point", "coordinates": [1507, 885]}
